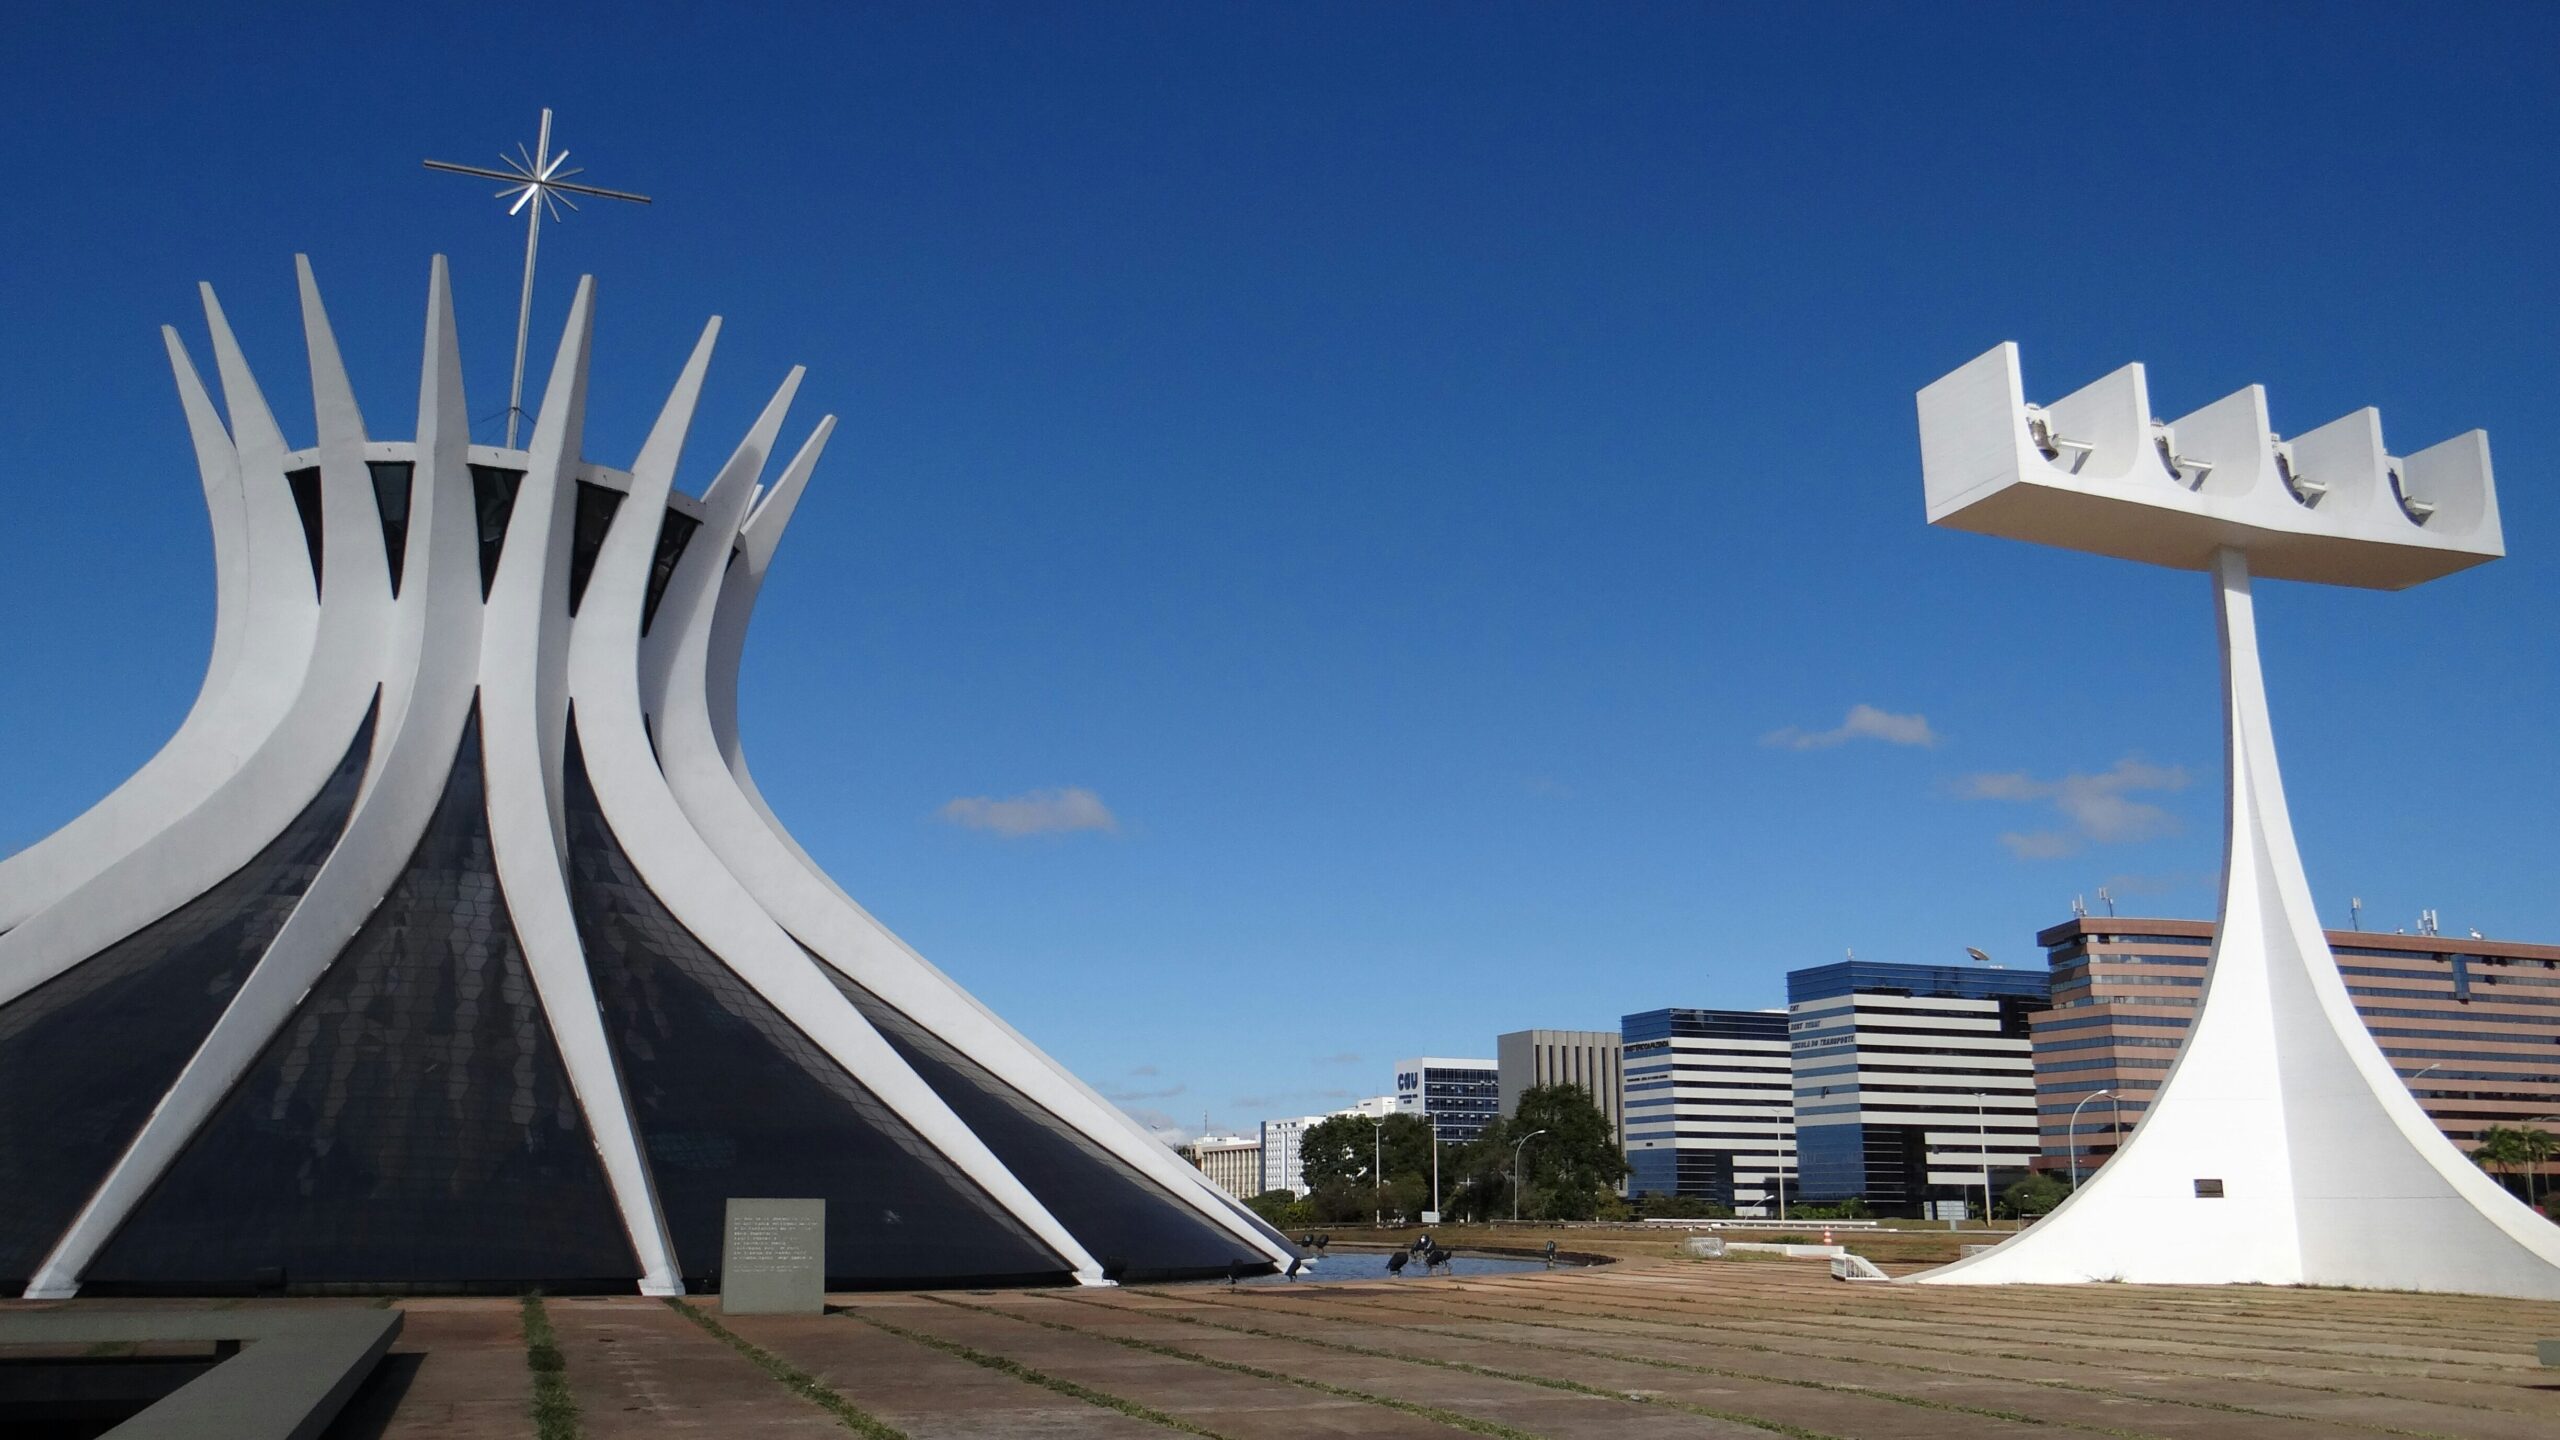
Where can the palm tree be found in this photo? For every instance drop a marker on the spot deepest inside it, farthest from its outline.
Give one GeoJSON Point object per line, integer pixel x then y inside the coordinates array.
{"type": "Point", "coordinates": [2535, 1148]}
{"type": "Point", "coordinates": [2500, 1150]}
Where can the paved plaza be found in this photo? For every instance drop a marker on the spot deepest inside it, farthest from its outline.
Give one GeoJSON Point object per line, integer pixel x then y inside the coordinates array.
{"type": "Point", "coordinates": [1656, 1348]}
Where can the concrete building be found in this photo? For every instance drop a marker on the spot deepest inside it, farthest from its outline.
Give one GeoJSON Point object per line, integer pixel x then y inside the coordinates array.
{"type": "Point", "coordinates": [1710, 1106]}
{"type": "Point", "coordinates": [448, 943]}
{"type": "Point", "coordinates": [2283, 1146]}
{"type": "Point", "coordinates": [1910, 1080]}
{"type": "Point", "coordinates": [1377, 1105]}
{"type": "Point", "coordinates": [1526, 1059]}
{"type": "Point", "coordinates": [2469, 1024]}
{"type": "Point", "coordinates": [1233, 1163]}
{"type": "Point", "coordinates": [1459, 1097]}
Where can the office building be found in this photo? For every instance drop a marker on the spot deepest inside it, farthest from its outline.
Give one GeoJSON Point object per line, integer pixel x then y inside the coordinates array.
{"type": "Point", "coordinates": [1710, 1106]}
{"type": "Point", "coordinates": [1459, 1097]}
{"type": "Point", "coordinates": [2472, 1025]}
{"type": "Point", "coordinates": [1233, 1163]}
{"type": "Point", "coordinates": [1377, 1105]}
{"type": "Point", "coordinates": [1911, 1081]}
{"type": "Point", "coordinates": [1527, 1059]}
{"type": "Point", "coordinates": [1281, 1168]}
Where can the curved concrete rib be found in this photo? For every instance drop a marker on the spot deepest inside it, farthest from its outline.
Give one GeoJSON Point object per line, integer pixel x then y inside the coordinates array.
{"type": "Point", "coordinates": [2276, 1097]}
{"type": "Point", "coordinates": [684, 872]}
{"type": "Point", "coordinates": [266, 612]}
{"type": "Point", "coordinates": [413, 753]}
{"type": "Point", "coordinates": [524, 659]}
{"type": "Point", "coordinates": [700, 632]}
{"type": "Point", "coordinates": [327, 690]}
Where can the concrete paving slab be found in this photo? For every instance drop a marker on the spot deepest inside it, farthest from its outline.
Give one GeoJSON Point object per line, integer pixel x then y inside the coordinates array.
{"type": "Point", "coordinates": [1833, 1412]}
{"type": "Point", "coordinates": [470, 1380]}
{"type": "Point", "coordinates": [637, 1368]}
{"type": "Point", "coordinates": [930, 1395]}
{"type": "Point", "coordinates": [1241, 1407]}
{"type": "Point", "coordinates": [1525, 1406]}
{"type": "Point", "coordinates": [1756, 1340]}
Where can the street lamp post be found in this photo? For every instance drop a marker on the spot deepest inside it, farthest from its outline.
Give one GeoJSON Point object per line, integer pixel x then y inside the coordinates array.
{"type": "Point", "coordinates": [1377, 1180]}
{"type": "Point", "coordinates": [1515, 1170]}
{"type": "Point", "coordinates": [1435, 1164]}
{"type": "Point", "coordinates": [2074, 1146]}
{"type": "Point", "coordinates": [1982, 1137]}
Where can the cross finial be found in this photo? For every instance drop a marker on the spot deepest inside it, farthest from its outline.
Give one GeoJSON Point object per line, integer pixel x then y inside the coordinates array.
{"type": "Point", "coordinates": [535, 182]}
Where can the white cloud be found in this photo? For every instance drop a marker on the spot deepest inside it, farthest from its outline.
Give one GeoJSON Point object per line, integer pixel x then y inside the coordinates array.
{"type": "Point", "coordinates": [1122, 1097]}
{"type": "Point", "coordinates": [2040, 844]}
{"type": "Point", "coordinates": [1034, 812]}
{"type": "Point", "coordinates": [1165, 1128]}
{"type": "Point", "coordinates": [2098, 809]}
{"type": "Point", "coordinates": [1864, 722]}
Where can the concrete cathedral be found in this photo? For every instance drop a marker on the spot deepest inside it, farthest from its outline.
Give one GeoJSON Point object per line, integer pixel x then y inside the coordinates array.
{"type": "Point", "coordinates": [449, 945]}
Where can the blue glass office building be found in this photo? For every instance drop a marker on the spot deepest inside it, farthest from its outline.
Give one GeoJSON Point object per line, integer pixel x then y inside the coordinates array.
{"type": "Point", "coordinates": [1912, 1082]}
{"type": "Point", "coordinates": [1709, 1107]}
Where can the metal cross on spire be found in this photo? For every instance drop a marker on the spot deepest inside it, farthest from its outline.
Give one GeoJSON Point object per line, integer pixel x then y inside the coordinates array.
{"type": "Point", "coordinates": [536, 183]}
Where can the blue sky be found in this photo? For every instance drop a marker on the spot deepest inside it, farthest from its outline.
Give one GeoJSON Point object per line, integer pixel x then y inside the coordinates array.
{"type": "Point", "coordinates": [1398, 466]}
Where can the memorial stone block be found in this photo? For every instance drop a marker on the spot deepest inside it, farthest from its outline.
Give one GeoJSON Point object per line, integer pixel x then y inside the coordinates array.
{"type": "Point", "coordinates": [773, 1260]}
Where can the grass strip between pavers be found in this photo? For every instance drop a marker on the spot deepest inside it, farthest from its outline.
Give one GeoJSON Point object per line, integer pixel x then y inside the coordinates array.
{"type": "Point", "coordinates": [1720, 1372]}
{"type": "Point", "coordinates": [1758, 1422]}
{"type": "Point", "coordinates": [555, 1410]}
{"type": "Point", "coordinates": [2346, 1360]}
{"type": "Point", "coordinates": [1456, 1418]}
{"type": "Point", "coordinates": [794, 1379]}
{"type": "Point", "coordinates": [2042, 1382]}
{"type": "Point", "coordinates": [1042, 1378]}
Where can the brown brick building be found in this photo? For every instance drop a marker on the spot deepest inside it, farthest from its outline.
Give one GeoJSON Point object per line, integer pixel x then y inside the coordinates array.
{"type": "Point", "coordinates": [2474, 1025]}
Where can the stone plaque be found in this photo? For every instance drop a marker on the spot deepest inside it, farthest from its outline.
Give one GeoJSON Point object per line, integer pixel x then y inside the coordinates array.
{"type": "Point", "coordinates": [773, 1260]}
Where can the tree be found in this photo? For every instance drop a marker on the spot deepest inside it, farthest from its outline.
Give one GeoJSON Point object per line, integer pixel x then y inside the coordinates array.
{"type": "Point", "coordinates": [2032, 1196]}
{"type": "Point", "coordinates": [2535, 1149]}
{"type": "Point", "coordinates": [1282, 1209]}
{"type": "Point", "coordinates": [2500, 1150]}
{"type": "Point", "coordinates": [1567, 1173]}
{"type": "Point", "coordinates": [1338, 1150]}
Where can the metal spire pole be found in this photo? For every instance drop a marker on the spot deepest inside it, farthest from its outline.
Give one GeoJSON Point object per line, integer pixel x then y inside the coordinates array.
{"type": "Point", "coordinates": [536, 183]}
{"type": "Point", "coordinates": [524, 305]}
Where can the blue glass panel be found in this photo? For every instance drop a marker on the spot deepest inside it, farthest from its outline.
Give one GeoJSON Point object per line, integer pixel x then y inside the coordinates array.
{"type": "Point", "coordinates": [1124, 1219]}
{"type": "Point", "coordinates": [731, 1099]}
{"type": "Point", "coordinates": [69, 1101]}
{"type": "Point", "coordinates": [410, 1127]}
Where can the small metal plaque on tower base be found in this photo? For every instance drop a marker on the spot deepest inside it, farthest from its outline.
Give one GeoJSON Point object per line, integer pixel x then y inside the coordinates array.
{"type": "Point", "coordinates": [773, 1260]}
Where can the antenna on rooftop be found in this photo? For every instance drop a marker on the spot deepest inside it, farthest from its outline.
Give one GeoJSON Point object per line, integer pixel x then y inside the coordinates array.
{"type": "Point", "coordinates": [2355, 911]}
{"type": "Point", "coordinates": [2079, 907]}
{"type": "Point", "coordinates": [2107, 900]}
{"type": "Point", "coordinates": [536, 183]}
{"type": "Point", "coordinates": [1978, 956]}
{"type": "Point", "coordinates": [2426, 922]}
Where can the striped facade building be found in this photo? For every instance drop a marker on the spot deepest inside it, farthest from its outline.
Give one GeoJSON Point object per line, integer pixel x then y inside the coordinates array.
{"type": "Point", "coordinates": [1912, 1081]}
{"type": "Point", "coordinates": [1233, 1163]}
{"type": "Point", "coordinates": [1709, 1107]}
{"type": "Point", "coordinates": [2472, 1024]}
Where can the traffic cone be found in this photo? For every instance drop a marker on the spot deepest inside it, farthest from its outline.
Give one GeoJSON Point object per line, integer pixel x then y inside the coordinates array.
{"type": "Point", "coordinates": [1826, 1234]}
